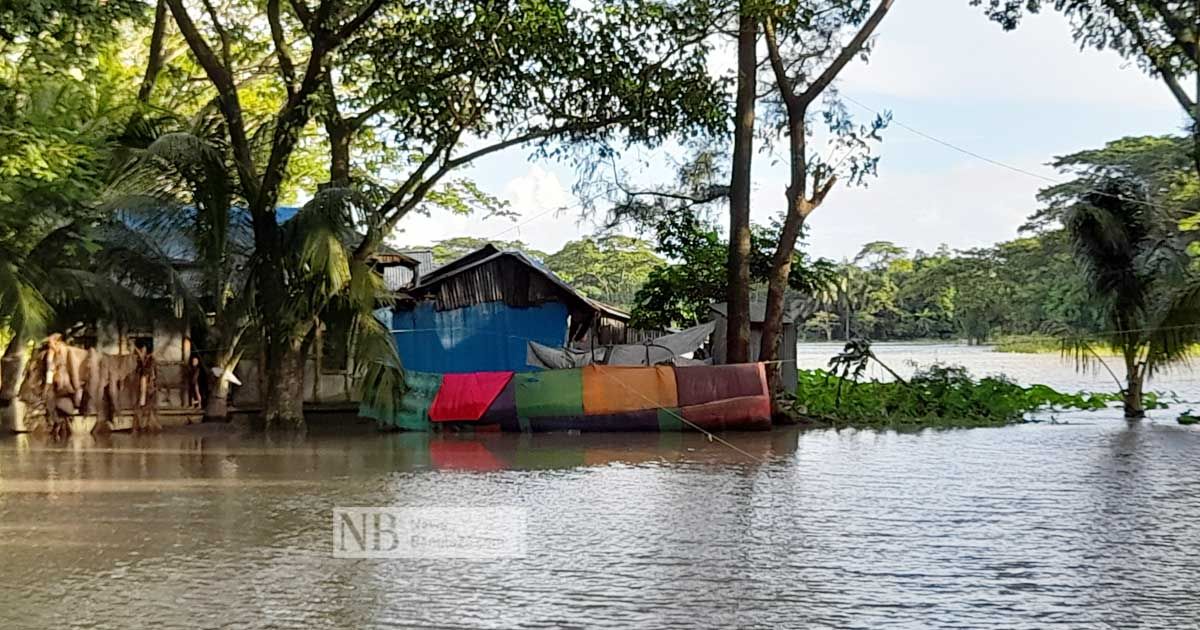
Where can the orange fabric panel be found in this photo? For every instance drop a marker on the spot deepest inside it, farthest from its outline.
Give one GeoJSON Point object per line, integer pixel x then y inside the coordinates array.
{"type": "Point", "coordinates": [619, 388]}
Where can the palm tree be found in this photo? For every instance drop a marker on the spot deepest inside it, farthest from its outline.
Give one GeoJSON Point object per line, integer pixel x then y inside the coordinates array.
{"type": "Point", "coordinates": [180, 190]}
{"type": "Point", "coordinates": [65, 281]}
{"type": "Point", "coordinates": [1139, 275]}
{"type": "Point", "coordinates": [177, 193]}
{"type": "Point", "coordinates": [55, 142]}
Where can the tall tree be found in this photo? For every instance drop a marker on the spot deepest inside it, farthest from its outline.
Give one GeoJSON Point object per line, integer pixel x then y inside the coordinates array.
{"type": "Point", "coordinates": [447, 101]}
{"type": "Point", "coordinates": [738, 284]}
{"type": "Point", "coordinates": [804, 49]}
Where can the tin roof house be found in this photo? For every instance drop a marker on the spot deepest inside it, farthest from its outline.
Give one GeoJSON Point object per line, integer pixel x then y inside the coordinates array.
{"type": "Point", "coordinates": [479, 312]}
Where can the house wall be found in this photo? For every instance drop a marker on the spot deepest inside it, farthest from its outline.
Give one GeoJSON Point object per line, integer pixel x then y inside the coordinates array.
{"type": "Point", "coordinates": [480, 337]}
{"type": "Point", "coordinates": [333, 387]}
{"type": "Point", "coordinates": [171, 349]}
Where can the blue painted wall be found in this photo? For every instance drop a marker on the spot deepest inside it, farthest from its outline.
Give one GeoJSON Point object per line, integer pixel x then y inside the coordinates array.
{"type": "Point", "coordinates": [481, 337]}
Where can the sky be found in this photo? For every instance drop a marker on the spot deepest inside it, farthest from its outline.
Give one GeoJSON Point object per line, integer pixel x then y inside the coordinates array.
{"type": "Point", "coordinates": [942, 69]}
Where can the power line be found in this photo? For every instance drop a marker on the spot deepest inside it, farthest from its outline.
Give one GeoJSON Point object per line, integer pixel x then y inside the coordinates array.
{"type": "Point", "coordinates": [995, 162]}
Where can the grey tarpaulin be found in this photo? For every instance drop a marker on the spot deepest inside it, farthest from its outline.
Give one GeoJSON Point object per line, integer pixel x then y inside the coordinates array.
{"type": "Point", "coordinates": [538, 355]}
{"type": "Point", "coordinates": [666, 349]}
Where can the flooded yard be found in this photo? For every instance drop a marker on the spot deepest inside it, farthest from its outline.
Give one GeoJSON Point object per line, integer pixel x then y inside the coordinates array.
{"type": "Point", "coordinates": [1085, 524]}
{"type": "Point", "coordinates": [1035, 525]}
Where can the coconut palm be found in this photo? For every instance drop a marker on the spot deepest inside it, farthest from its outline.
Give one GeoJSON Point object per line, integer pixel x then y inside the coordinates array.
{"type": "Point", "coordinates": [177, 193]}
{"type": "Point", "coordinates": [180, 190]}
{"type": "Point", "coordinates": [1140, 277]}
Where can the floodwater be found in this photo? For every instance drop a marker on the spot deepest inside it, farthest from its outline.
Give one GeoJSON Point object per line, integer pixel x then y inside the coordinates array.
{"type": "Point", "coordinates": [1084, 524]}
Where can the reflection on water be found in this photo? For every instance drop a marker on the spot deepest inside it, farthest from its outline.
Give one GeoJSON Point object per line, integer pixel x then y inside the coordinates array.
{"type": "Point", "coordinates": [1079, 525]}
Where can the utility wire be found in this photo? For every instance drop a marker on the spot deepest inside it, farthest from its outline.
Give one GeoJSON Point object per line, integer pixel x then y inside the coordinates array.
{"type": "Point", "coordinates": [998, 163]}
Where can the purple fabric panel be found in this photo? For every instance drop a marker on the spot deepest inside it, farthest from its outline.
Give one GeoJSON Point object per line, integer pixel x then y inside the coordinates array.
{"type": "Point", "coordinates": [709, 383]}
{"type": "Point", "coordinates": [503, 410]}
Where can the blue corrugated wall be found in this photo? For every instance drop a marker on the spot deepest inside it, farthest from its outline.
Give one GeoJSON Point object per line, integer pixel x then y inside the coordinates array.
{"type": "Point", "coordinates": [481, 337]}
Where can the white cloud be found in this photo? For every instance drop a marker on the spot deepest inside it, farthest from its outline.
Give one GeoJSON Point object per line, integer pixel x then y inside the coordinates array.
{"type": "Point", "coordinates": [548, 216]}
{"type": "Point", "coordinates": [536, 191]}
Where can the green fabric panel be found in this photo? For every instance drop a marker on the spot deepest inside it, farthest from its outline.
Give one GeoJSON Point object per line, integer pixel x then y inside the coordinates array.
{"type": "Point", "coordinates": [549, 393]}
{"type": "Point", "coordinates": [413, 413]}
{"type": "Point", "coordinates": [668, 420]}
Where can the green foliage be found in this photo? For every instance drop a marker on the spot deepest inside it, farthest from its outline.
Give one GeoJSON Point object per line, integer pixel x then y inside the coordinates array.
{"type": "Point", "coordinates": [1033, 285]}
{"type": "Point", "coordinates": [450, 249]}
{"type": "Point", "coordinates": [1159, 36]}
{"type": "Point", "coordinates": [679, 293]}
{"type": "Point", "coordinates": [938, 395]}
{"type": "Point", "coordinates": [610, 268]}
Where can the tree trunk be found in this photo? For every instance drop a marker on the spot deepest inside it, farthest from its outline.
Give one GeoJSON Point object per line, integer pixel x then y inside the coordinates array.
{"type": "Point", "coordinates": [339, 154]}
{"type": "Point", "coordinates": [1134, 408]}
{"type": "Point", "coordinates": [216, 408]}
{"type": "Point", "coordinates": [283, 400]}
{"type": "Point", "coordinates": [12, 371]}
{"type": "Point", "coordinates": [1134, 381]}
{"type": "Point", "coordinates": [777, 283]}
{"type": "Point", "coordinates": [155, 56]}
{"type": "Point", "coordinates": [738, 297]}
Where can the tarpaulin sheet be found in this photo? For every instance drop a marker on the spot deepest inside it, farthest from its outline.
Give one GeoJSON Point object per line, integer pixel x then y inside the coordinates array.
{"type": "Point", "coordinates": [490, 336]}
{"type": "Point", "coordinates": [749, 413]}
{"type": "Point", "coordinates": [668, 348]}
{"type": "Point", "coordinates": [413, 412]}
{"type": "Point", "coordinates": [614, 389]}
{"type": "Point", "coordinates": [549, 393]}
{"type": "Point", "coordinates": [503, 410]}
{"type": "Point", "coordinates": [705, 384]}
{"type": "Point", "coordinates": [538, 355]}
{"type": "Point", "coordinates": [669, 420]}
{"type": "Point", "coordinates": [465, 397]}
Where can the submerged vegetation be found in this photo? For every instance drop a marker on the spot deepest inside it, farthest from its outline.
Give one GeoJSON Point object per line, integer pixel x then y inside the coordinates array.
{"type": "Point", "coordinates": [939, 396]}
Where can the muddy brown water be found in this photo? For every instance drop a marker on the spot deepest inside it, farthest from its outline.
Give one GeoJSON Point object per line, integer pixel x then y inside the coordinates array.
{"type": "Point", "coordinates": [1086, 524]}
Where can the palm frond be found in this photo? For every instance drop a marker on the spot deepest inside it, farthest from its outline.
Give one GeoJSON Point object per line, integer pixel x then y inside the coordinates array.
{"type": "Point", "coordinates": [23, 309]}
{"type": "Point", "coordinates": [1177, 326]}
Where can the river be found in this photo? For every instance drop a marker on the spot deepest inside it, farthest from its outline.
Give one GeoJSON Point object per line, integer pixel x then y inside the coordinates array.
{"type": "Point", "coordinates": [1088, 523]}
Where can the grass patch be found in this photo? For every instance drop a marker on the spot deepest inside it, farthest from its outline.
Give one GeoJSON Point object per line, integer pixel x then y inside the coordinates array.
{"type": "Point", "coordinates": [1027, 344]}
{"type": "Point", "coordinates": [1043, 344]}
{"type": "Point", "coordinates": [937, 396]}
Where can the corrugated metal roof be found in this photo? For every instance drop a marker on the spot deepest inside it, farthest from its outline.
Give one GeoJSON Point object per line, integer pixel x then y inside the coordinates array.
{"type": "Point", "coordinates": [489, 253]}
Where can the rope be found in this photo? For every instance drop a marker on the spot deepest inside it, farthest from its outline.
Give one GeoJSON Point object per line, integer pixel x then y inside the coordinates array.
{"type": "Point", "coordinates": [711, 436]}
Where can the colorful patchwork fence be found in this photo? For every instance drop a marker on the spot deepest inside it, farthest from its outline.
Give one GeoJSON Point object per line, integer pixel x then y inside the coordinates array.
{"type": "Point", "coordinates": [592, 398]}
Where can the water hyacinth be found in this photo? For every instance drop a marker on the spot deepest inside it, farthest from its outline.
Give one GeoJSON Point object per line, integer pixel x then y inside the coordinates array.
{"type": "Point", "coordinates": [938, 395]}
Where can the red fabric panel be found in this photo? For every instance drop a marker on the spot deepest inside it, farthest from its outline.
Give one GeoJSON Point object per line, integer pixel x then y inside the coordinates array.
{"type": "Point", "coordinates": [465, 397]}
{"type": "Point", "coordinates": [749, 413]}
{"type": "Point", "coordinates": [709, 383]}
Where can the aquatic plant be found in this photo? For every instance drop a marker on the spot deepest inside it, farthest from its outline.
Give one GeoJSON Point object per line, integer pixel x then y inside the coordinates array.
{"type": "Point", "coordinates": [938, 395]}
